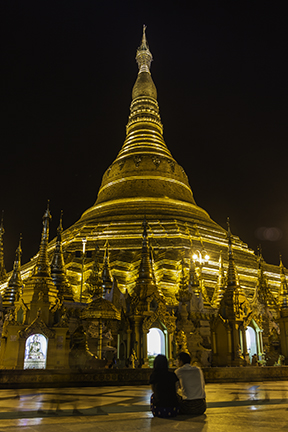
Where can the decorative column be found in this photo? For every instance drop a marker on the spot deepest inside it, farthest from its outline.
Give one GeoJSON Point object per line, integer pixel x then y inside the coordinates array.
{"type": "Point", "coordinates": [145, 353]}
{"type": "Point", "coordinates": [137, 336]}
{"type": "Point", "coordinates": [118, 346]}
{"type": "Point", "coordinates": [129, 331]}
{"type": "Point", "coordinates": [99, 353]}
{"type": "Point", "coordinates": [214, 342]}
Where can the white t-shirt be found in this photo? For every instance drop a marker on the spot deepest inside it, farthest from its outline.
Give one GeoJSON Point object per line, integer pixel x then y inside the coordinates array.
{"type": "Point", "coordinates": [192, 384]}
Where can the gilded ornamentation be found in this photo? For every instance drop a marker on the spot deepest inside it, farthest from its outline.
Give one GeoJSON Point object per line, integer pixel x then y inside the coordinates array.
{"type": "Point", "coordinates": [156, 160]}
{"type": "Point", "coordinates": [137, 160]}
{"type": "Point", "coordinates": [121, 163]}
{"type": "Point", "coordinates": [37, 326]}
{"type": "Point", "coordinates": [172, 165]}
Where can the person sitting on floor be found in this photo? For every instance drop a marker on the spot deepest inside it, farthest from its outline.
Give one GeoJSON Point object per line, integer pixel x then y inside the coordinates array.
{"type": "Point", "coordinates": [191, 386]}
{"type": "Point", "coordinates": [164, 401]}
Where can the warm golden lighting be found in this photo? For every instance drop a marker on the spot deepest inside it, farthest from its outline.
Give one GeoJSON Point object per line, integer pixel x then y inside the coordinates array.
{"type": "Point", "coordinates": [84, 241]}
{"type": "Point", "coordinates": [200, 258]}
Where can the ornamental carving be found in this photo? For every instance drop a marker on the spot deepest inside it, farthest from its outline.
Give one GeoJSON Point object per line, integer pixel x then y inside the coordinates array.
{"type": "Point", "coordinates": [137, 160]}
{"type": "Point", "coordinates": [121, 164]}
{"type": "Point", "coordinates": [161, 315]}
{"type": "Point", "coordinates": [172, 165]}
{"type": "Point", "coordinates": [37, 326]}
{"type": "Point", "coordinates": [156, 160]}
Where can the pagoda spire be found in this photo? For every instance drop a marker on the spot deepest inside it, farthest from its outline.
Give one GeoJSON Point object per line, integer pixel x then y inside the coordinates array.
{"type": "Point", "coordinates": [15, 282]}
{"type": "Point", "coordinates": [58, 272]}
{"type": "Point", "coordinates": [283, 292]}
{"type": "Point", "coordinates": [144, 111]}
{"type": "Point", "coordinates": [93, 282]}
{"type": "Point", "coordinates": [232, 277]}
{"type": "Point", "coordinates": [106, 276]}
{"type": "Point", "coordinates": [42, 267]}
{"type": "Point", "coordinates": [40, 291]}
{"type": "Point", "coordinates": [229, 303]}
{"type": "Point", "coordinates": [218, 293]}
{"type": "Point", "coordinates": [193, 278]}
{"type": "Point", "coordinates": [184, 294]}
{"type": "Point", "coordinates": [143, 55]}
{"type": "Point", "coordinates": [2, 265]}
{"type": "Point", "coordinates": [144, 173]}
{"type": "Point", "coordinates": [145, 274]}
{"type": "Point", "coordinates": [145, 284]}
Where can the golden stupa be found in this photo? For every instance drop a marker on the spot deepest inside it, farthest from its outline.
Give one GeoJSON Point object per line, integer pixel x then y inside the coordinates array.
{"type": "Point", "coordinates": [160, 259]}
{"type": "Point", "coordinates": [145, 181]}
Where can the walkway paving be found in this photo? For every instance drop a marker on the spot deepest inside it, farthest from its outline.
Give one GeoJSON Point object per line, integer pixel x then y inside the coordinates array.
{"type": "Point", "coordinates": [231, 407]}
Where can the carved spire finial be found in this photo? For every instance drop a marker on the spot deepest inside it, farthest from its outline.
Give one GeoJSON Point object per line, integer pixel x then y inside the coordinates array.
{"type": "Point", "coordinates": [143, 55]}
{"type": "Point", "coordinates": [42, 267]}
{"type": "Point", "coordinates": [106, 276]}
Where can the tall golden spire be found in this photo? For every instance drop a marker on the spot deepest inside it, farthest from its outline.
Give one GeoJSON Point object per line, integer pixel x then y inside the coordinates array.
{"type": "Point", "coordinates": [229, 303]}
{"type": "Point", "coordinates": [145, 284]}
{"type": "Point", "coordinates": [15, 282]}
{"type": "Point", "coordinates": [144, 128]}
{"type": "Point", "coordinates": [42, 267]}
{"type": "Point", "coordinates": [144, 169]}
{"type": "Point", "coordinates": [2, 265]}
{"type": "Point", "coordinates": [106, 276]}
{"type": "Point", "coordinates": [232, 278]}
{"type": "Point", "coordinates": [39, 290]}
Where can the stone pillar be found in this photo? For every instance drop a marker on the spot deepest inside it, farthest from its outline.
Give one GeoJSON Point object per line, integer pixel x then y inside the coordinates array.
{"type": "Point", "coordinates": [129, 331]}
{"type": "Point", "coordinates": [214, 343]}
{"type": "Point", "coordinates": [229, 354]}
{"type": "Point", "coordinates": [145, 353]}
{"type": "Point", "coordinates": [137, 337]}
{"type": "Point", "coordinates": [118, 346]}
{"type": "Point", "coordinates": [229, 341]}
{"type": "Point", "coordinates": [99, 350]}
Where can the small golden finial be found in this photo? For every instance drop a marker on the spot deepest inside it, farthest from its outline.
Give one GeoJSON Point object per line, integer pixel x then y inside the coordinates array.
{"type": "Point", "coordinates": [143, 55]}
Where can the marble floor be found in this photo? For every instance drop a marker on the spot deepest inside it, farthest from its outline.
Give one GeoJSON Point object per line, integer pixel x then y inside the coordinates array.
{"type": "Point", "coordinates": [248, 407]}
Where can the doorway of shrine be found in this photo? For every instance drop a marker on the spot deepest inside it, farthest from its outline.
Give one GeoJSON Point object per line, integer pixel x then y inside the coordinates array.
{"type": "Point", "coordinates": [155, 344]}
{"type": "Point", "coordinates": [251, 342]}
{"type": "Point", "coordinates": [35, 352]}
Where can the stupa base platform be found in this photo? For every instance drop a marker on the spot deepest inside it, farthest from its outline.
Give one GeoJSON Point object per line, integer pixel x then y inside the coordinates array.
{"type": "Point", "coordinates": [103, 377]}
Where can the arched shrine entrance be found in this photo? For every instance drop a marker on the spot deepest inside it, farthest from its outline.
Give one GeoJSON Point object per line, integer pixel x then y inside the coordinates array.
{"type": "Point", "coordinates": [156, 344]}
{"type": "Point", "coordinates": [254, 342]}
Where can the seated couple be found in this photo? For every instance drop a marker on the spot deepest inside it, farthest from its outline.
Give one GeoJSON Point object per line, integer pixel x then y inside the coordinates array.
{"type": "Point", "coordinates": [182, 392]}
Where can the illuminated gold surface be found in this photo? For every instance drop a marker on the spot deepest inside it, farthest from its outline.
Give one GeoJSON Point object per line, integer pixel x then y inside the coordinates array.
{"type": "Point", "coordinates": [145, 181]}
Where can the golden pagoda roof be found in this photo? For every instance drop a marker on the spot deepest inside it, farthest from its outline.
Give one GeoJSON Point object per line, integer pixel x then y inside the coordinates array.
{"type": "Point", "coordinates": [144, 178]}
{"type": "Point", "coordinates": [101, 308]}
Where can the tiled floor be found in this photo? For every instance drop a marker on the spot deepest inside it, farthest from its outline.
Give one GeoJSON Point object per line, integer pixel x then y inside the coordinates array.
{"type": "Point", "coordinates": [231, 408]}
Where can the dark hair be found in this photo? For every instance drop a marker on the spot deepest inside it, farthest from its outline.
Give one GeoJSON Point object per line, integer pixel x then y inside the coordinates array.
{"type": "Point", "coordinates": [184, 357]}
{"type": "Point", "coordinates": [160, 362]}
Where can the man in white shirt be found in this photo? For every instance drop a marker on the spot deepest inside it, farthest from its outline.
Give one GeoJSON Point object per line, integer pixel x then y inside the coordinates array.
{"type": "Point", "coordinates": [191, 386]}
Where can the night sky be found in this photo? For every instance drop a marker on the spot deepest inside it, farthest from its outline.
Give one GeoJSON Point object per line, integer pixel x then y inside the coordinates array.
{"type": "Point", "coordinates": [67, 71]}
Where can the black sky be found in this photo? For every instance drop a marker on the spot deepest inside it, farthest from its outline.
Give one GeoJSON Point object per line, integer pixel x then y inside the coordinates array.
{"type": "Point", "coordinates": [67, 71]}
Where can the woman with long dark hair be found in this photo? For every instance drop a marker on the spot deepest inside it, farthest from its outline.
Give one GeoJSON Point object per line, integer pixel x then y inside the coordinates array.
{"type": "Point", "coordinates": [164, 402]}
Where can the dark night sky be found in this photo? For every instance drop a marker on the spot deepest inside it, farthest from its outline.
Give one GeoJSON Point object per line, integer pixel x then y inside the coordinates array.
{"type": "Point", "coordinates": [67, 71]}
